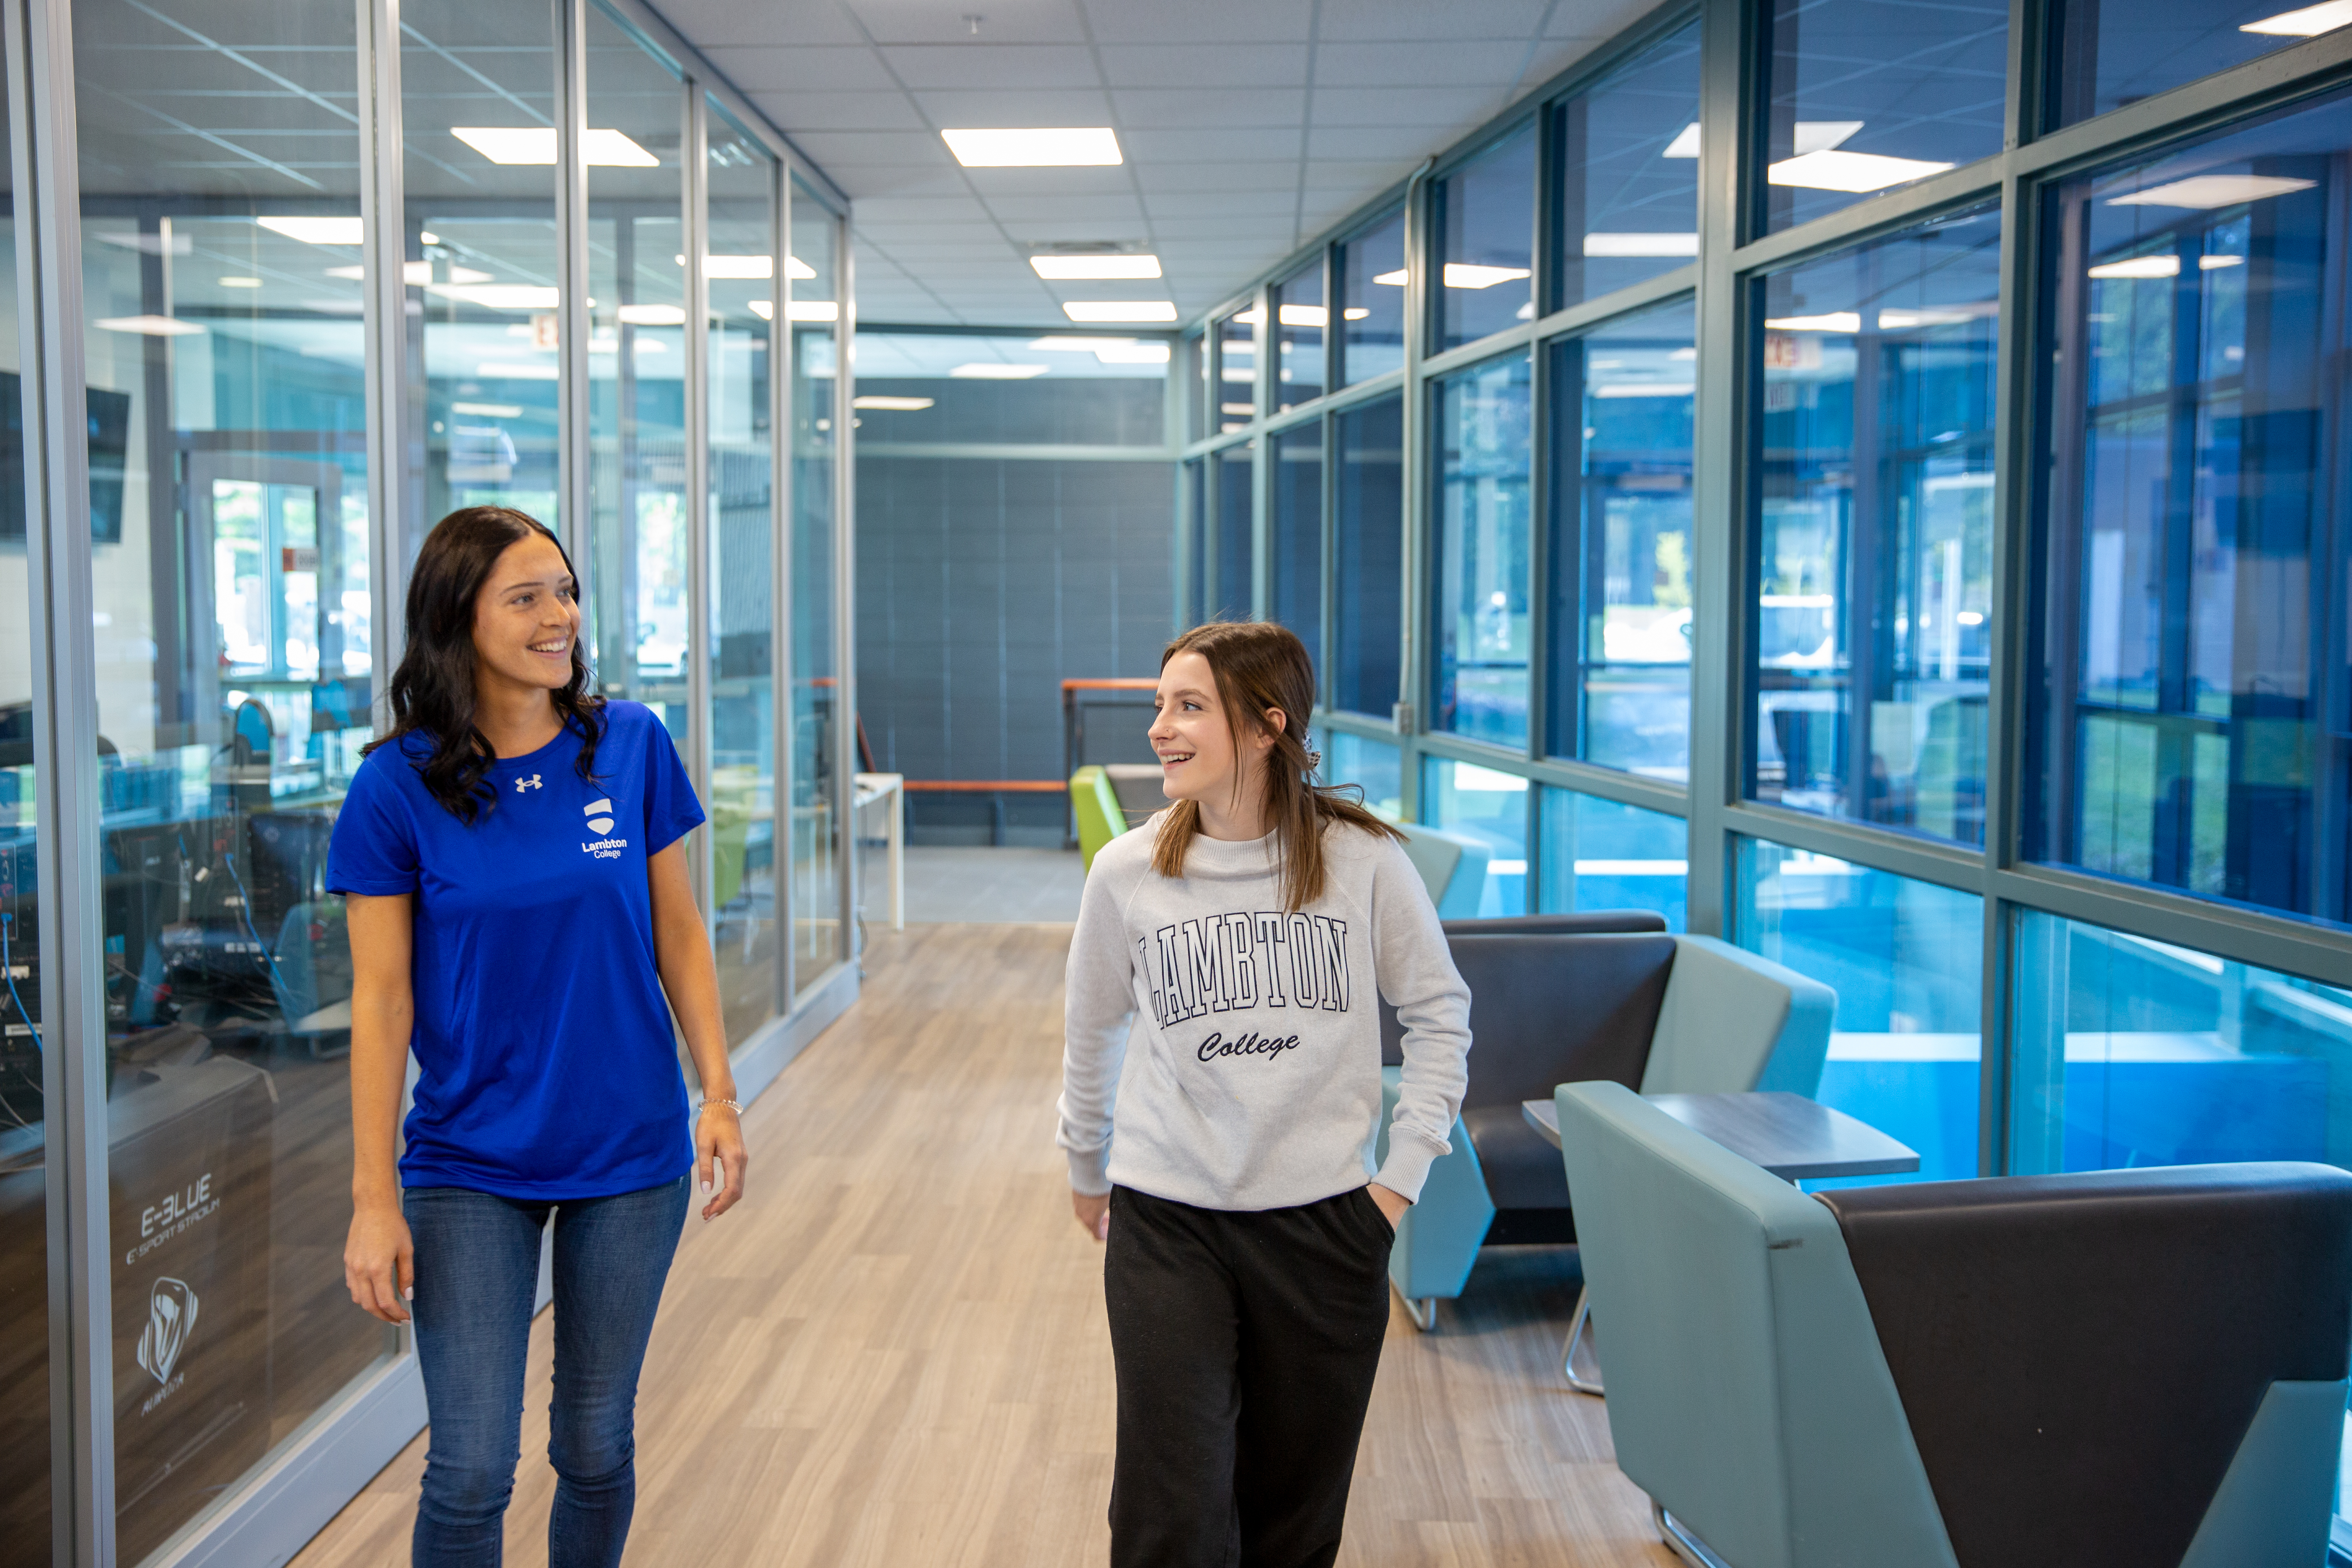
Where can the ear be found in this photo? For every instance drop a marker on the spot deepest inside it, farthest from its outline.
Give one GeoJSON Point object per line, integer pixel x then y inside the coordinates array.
{"type": "Point", "coordinates": [1277, 722]}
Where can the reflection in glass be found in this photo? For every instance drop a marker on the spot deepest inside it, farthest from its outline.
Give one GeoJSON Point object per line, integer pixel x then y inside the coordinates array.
{"type": "Point", "coordinates": [1236, 389]}
{"type": "Point", "coordinates": [917, 388]}
{"type": "Point", "coordinates": [1490, 807]}
{"type": "Point", "coordinates": [1621, 544]}
{"type": "Point", "coordinates": [1601, 855]}
{"type": "Point", "coordinates": [1484, 214]}
{"type": "Point", "coordinates": [1626, 153]}
{"type": "Point", "coordinates": [817, 870]}
{"type": "Point", "coordinates": [1874, 606]}
{"type": "Point", "coordinates": [740, 279]}
{"type": "Point", "coordinates": [1479, 608]}
{"type": "Point", "coordinates": [1298, 333]}
{"type": "Point", "coordinates": [1195, 608]}
{"type": "Point", "coordinates": [1867, 95]}
{"type": "Point", "coordinates": [1367, 274]}
{"type": "Point", "coordinates": [1197, 387]}
{"type": "Point", "coordinates": [2108, 53]}
{"type": "Point", "coordinates": [1368, 557]}
{"type": "Point", "coordinates": [1298, 593]}
{"type": "Point", "coordinates": [2192, 732]}
{"type": "Point", "coordinates": [1376, 767]}
{"type": "Point", "coordinates": [1229, 593]}
{"type": "Point", "coordinates": [231, 577]}
{"type": "Point", "coordinates": [1907, 961]}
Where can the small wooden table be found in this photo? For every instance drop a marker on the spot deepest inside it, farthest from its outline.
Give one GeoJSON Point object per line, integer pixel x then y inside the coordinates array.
{"type": "Point", "coordinates": [1794, 1138]}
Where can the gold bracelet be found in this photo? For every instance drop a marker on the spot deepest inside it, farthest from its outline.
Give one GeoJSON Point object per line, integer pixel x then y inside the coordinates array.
{"type": "Point", "coordinates": [708, 1101]}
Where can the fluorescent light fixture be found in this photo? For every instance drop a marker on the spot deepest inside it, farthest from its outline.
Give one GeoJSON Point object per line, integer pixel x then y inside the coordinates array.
{"type": "Point", "coordinates": [1393, 280]}
{"type": "Point", "coordinates": [419, 273]}
{"type": "Point", "coordinates": [649, 346]}
{"type": "Point", "coordinates": [1357, 314]}
{"type": "Point", "coordinates": [1641, 244]}
{"type": "Point", "coordinates": [795, 268]}
{"type": "Point", "coordinates": [427, 236]}
{"type": "Point", "coordinates": [497, 370]}
{"type": "Point", "coordinates": [1305, 316]}
{"type": "Point", "coordinates": [1052, 146]}
{"type": "Point", "coordinates": [1686, 143]}
{"type": "Point", "coordinates": [654, 315]}
{"type": "Point", "coordinates": [1856, 173]}
{"type": "Point", "coordinates": [739, 267]}
{"type": "Point", "coordinates": [1120, 309]}
{"type": "Point", "coordinates": [488, 410]}
{"type": "Point", "coordinates": [536, 144]}
{"type": "Point", "coordinates": [1053, 345]}
{"type": "Point", "coordinates": [148, 326]}
{"type": "Point", "coordinates": [1237, 408]}
{"type": "Point", "coordinates": [318, 230]}
{"type": "Point", "coordinates": [894, 404]}
{"type": "Point", "coordinates": [500, 296]}
{"type": "Point", "coordinates": [814, 310]}
{"type": "Point", "coordinates": [2206, 191]}
{"type": "Point", "coordinates": [1060, 267]}
{"type": "Point", "coordinates": [240, 282]}
{"type": "Point", "coordinates": [994, 370]}
{"type": "Point", "coordinates": [1132, 353]}
{"type": "Point", "coordinates": [2215, 263]}
{"type": "Point", "coordinates": [1684, 353]}
{"type": "Point", "coordinates": [1240, 374]}
{"type": "Point", "coordinates": [1835, 322]}
{"type": "Point", "coordinates": [764, 308]}
{"type": "Point", "coordinates": [1469, 275]}
{"type": "Point", "coordinates": [1808, 136]}
{"type": "Point", "coordinates": [1249, 318]}
{"type": "Point", "coordinates": [1644, 389]}
{"type": "Point", "coordinates": [1910, 321]}
{"type": "Point", "coordinates": [2163, 266]}
{"type": "Point", "coordinates": [2307, 22]}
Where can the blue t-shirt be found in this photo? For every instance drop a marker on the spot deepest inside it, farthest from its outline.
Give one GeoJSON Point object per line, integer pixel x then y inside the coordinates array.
{"type": "Point", "coordinates": [546, 1062]}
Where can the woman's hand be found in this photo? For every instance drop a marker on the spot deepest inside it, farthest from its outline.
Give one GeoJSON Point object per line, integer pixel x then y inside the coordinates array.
{"type": "Point", "coordinates": [1391, 1204]}
{"type": "Point", "coordinates": [1093, 1210]}
{"type": "Point", "coordinates": [380, 1262]}
{"type": "Point", "coordinates": [719, 1136]}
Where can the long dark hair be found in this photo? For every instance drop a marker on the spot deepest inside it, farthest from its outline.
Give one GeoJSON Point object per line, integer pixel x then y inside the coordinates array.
{"type": "Point", "coordinates": [1260, 665]}
{"type": "Point", "coordinates": [433, 691]}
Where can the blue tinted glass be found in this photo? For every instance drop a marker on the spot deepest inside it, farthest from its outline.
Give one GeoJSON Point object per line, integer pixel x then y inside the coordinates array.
{"type": "Point", "coordinates": [1489, 808]}
{"type": "Point", "coordinates": [1373, 766]}
{"type": "Point", "coordinates": [1298, 536]}
{"type": "Point", "coordinates": [1627, 152]}
{"type": "Point", "coordinates": [1867, 95]}
{"type": "Point", "coordinates": [1600, 855]}
{"type": "Point", "coordinates": [1228, 588]}
{"type": "Point", "coordinates": [1873, 530]}
{"type": "Point", "coordinates": [2191, 733]}
{"type": "Point", "coordinates": [2109, 53]}
{"type": "Point", "coordinates": [1368, 557]}
{"type": "Point", "coordinates": [1369, 280]}
{"type": "Point", "coordinates": [1621, 544]}
{"type": "Point", "coordinates": [1480, 601]}
{"type": "Point", "coordinates": [1907, 961]}
{"type": "Point", "coordinates": [1196, 542]}
{"type": "Point", "coordinates": [1236, 397]}
{"type": "Point", "coordinates": [1298, 334]}
{"type": "Point", "coordinates": [1485, 215]}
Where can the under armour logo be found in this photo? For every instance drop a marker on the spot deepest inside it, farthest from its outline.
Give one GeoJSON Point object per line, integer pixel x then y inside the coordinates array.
{"type": "Point", "coordinates": [530, 783]}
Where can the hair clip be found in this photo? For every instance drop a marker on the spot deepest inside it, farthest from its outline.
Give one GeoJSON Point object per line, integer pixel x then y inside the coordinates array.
{"type": "Point", "coordinates": [1314, 762]}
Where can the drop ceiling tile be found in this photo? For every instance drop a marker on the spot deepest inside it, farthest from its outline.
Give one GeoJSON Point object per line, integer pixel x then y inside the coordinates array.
{"type": "Point", "coordinates": [1205, 66]}
{"type": "Point", "coordinates": [1118, 179]}
{"type": "Point", "coordinates": [921, 209]}
{"type": "Point", "coordinates": [797, 112]}
{"type": "Point", "coordinates": [948, 21]}
{"type": "Point", "coordinates": [1344, 21]}
{"type": "Point", "coordinates": [1490, 63]}
{"type": "Point", "coordinates": [846, 149]}
{"type": "Point", "coordinates": [1180, 205]}
{"type": "Point", "coordinates": [1012, 211]}
{"type": "Point", "coordinates": [1237, 227]}
{"type": "Point", "coordinates": [979, 67]}
{"type": "Point", "coordinates": [1222, 21]}
{"type": "Point", "coordinates": [1554, 56]}
{"type": "Point", "coordinates": [1148, 109]}
{"type": "Point", "coordinates": [1208, 145]}
{"type": "Point", "coordinates": [902, 179]}
{"type": "Point", "coordinates": [709, 23]}
{"type": "Point", "coordinates": [1440, 106]}
{"type": "Point", "coordinates": [1014, 108]}
{"type": "Point", "coordinates": [1035, 232]}
{"type": "Point", "coordinates": [788, 68]}
{"type": "Point", "coordinates": [1280, 174]}
{"type": "Point", "coordinates": [1365, 175]}
{"type": "Point", "coordinates": [1370, 142]}
{"type": "Point", "coordinates": [1596, 19]}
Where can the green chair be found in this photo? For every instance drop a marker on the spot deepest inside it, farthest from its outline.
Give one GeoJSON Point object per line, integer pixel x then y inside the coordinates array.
{"type": "Point", "coordinates": [1096, 805]}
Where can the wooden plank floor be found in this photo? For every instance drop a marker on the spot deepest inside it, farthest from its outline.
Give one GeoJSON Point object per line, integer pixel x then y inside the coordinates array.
{"type": "Point", "coordinates": [894, 1354]}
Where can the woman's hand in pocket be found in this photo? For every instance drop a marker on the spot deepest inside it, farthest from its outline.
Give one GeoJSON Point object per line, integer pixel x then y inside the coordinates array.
{"type": "Point", "coordinates": [1391, 1204]}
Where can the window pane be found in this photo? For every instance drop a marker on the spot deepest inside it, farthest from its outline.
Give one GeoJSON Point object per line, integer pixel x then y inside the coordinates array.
{"type": "Point", "coordinates": [231, 573]}
{"type": "Point", "coordinates": [1299, 317]}
{"type": "Point", "coordinates": [1485, 219]}
{"type": "Point", "coordinates": [1621, 544]}
{"type": "Point", "coordinates": [2192, 734]}
{"type": "Point", "coordinates": [1490, 807]}
{"type": "Point", "coordinates": [817, 870]}
{"type": "Point", "coordinates": [1196, 542]}
{"type": "Point", "coordinates": [1627, 153]}
{"type": "Point", "coordinates": [1873, 531]}
{"type": "Point", "coordinates": [1374, 766]}
{"type": "Point", "coordinates": [915, 388]}
{"type": "Point", "coordinates": [1229, 593]}
{"type": "Point", "coordinates": [1600, 855]}
{"type": "Point", "coordinates": [2109, 53]}
{"type": "Point", "coordinates": [1907, 961]}
{"type": "Point", "coordinates": [1298, 536]}
{"type": "Point", "coordinates": [1867, 95]}
{"type": "Point", "coordinates": [1236, 370]}
{"type": "Point", "coordinates": [742, 282]}
{"type": "Point", "coordinates": [1196, 383]}
{"type": "Point", "coordinates": [481, 242]}
{"type": "Point", "coordinates": [1369, 274]}
{"type": "Point", "coordinates": [1480, 604]}
{"type": "Point", "coordinates": [1368, 557]}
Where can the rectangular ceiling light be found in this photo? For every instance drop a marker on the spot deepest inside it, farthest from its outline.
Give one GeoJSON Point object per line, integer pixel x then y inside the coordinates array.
{"type": "Point", "coordinates": [500, 296]}
{"type": "Point", "coordinates": [499, 370]}
{"type": "Point", "coordinates": [2206, 191]}
{"type": "Point", "coordinates": [654, 315]}
{"type": "Point", "coordinates": [1468, 275]}
{"type": "Point", "coordinates": [1053, 345]}
{"type": "Point", "coordinates": [1911, 320]}
{"type": "Point", "coordinates": [1304, 316]}
{"type": "Point", "coordinates": [1641, 244]}
{"type": "Point", "coordinates": [1835, 322]}
{"type": "Point", "coordinates": [1120, 309]}
{"type": "Point", "coordinates": [995, 370]}
{"type": "Point", "coordinates": [894, 404]}
{"type": "Point", "coordinates": [1644, 389]}
{"type": "Point", "coordinates": [1393, 280]}
{"type": "Point", "coordinates": [812, 310]}
{"type": "Point", "coordinates": [318, 230]}
{"type": "Point", "coordinates": [536, 144]}
{"type": "Point", "coordinates": [488, 410]}
{"type": "Point", "coordinates": [1039, 147]}
{"type": "Point", "coordinates": [2165, 266]}
{"type": "Point", "coordinates": [1856, 173]}
{"type": "Point", "coordinates": [1806, 136]}
{"type": "Point", "coordinates": [148, 326]}
{"type": "Point", "coordinates": [2307, 22]}
{"type": "Point", "coordinates": [795, 268]}
{"type": "Point", "coordinates": [739, 267]}
{"type": "Point", "coordinates": [1132, 353]}
{"type": "Point", "coordinates": [1059, 267]}
{"type": "Point", "coordinates": [417, 273]}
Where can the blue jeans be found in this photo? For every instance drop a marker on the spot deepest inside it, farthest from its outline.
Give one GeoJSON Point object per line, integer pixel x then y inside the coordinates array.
{"type": "Point", "coordinates": [476, 1269]}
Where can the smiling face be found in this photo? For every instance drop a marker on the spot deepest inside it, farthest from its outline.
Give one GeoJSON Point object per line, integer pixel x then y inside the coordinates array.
{"type": "Point", "coordinates": [1193, 736]}
{"type": "Point", "coordinates": [526, 619]}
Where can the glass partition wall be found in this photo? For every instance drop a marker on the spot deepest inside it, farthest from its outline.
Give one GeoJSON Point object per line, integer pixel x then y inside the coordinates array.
{"type": "Point", "coordinates": [317, 263]}
{"type": "Point", "coordinates": [1917, 553]}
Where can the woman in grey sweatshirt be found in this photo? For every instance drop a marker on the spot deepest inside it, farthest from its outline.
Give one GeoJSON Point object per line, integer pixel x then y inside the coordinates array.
{"type": "Point", "coordinates": [1220, 1108]}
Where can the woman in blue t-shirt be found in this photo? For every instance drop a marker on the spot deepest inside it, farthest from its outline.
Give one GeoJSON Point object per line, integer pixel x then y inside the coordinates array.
{"type": "Point", "coordinates": [520, 914]}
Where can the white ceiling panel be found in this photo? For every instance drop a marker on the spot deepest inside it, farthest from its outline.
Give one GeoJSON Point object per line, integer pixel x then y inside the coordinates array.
{"type": "Point", "coordinates": [1009, 106]}
{"type": "Point", "coordinates": [836, 150]}
{"type": "Point", "coordinates": [1205, 65]}
{"type": "Point", "coordinates": [1174, 108]}
{"type": "Point", "coordinates": [708, 23]}
{"type": "Point", "coordinates": [1226, 21]}
{"type": "Point", "coordinates": [1476, 62]}
{"type": "Point", "coordinates": [957, 21]}
{"type": "Point", "coordinates": [1344, 21]}
{"type": "Point", "coordinates": [1401, 142]}
{"type": "Point", "coordinates": [814, 112]}
{"type": "Point", "coordinates": [1275, 174]}
{"type": "Point", "coordinates": [784, 68]}
{"type": "Point", "coordinates": [969, 66]}
{"type": "Point", "coordinates": [1393, 106]}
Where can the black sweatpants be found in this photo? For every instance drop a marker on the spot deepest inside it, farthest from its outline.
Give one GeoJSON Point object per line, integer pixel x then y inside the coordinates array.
{"type": "Point", "coordinates": [1245, 1344]}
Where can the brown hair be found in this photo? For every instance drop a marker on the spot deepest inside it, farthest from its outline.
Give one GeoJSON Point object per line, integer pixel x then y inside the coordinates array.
{"type": "Point", "coordinates": [1260, 665]}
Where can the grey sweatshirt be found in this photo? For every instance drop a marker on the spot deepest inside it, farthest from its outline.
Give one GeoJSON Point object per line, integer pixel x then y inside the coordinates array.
{"type": "Point", "coordinates": [1226, 1055]}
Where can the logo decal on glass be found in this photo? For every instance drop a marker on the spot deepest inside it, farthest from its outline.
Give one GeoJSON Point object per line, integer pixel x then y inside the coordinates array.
{"type": "Point", "coordinates": [600, 816]}
{"type": "Point", "coordinates": [530, 783]}
{"type": "Point", "coordinates": [171, 1314]}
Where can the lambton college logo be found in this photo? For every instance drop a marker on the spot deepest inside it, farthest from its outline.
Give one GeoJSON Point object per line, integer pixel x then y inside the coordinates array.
{"type": "Point", "coordinates": [600, 816]}
{"type": "Point", "coordinates": [171, 1315]}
